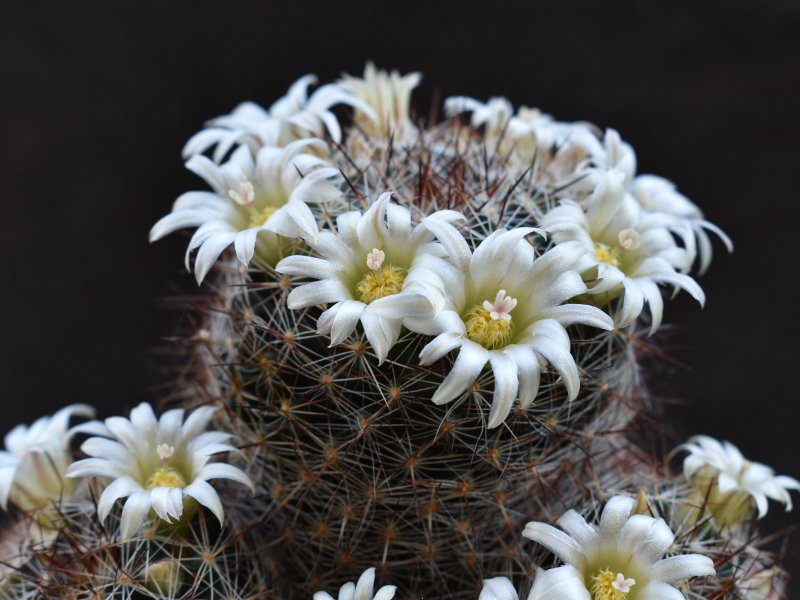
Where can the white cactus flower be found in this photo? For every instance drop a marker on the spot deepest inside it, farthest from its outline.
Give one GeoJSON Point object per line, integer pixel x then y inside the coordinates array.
{"type": "Point", "coordinates": [377, 270]}
{"type": "Point", "coordinates": [388, 94]}
{"type": "Point", "coordinates": [659, 196]}
{"type": "Point", "coordinates": [621, 559]}
{"type": "Point", "coordinates": [505, 307]}
{"type": "Point", "coordinates": [631, 253]}
{"type": "Point", "coordinates": [35, 458]}
{"type": "Point", "coordinates": [361, 590]}
{"type": "Point", "coordinates": [660, 201]}
{"type": "Point", "coordinates": [156, 464]}
{"type": "Point", "coordinates": [731, 485]}
{"type": "Point", "coordinates": [253, 203]}
{"type": "Point", "coordinates": [292, 117]}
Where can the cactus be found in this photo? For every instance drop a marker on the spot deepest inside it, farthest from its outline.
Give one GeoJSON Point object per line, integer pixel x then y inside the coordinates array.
{"type": "Point", "coordinates": [420, 343]}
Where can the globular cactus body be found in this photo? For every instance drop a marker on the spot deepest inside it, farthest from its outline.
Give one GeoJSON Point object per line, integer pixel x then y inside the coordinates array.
{"type": "Point", "coordinates": [425, 342]}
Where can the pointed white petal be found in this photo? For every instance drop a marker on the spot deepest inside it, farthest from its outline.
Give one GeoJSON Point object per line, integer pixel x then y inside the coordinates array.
{"type": "Point", "coordinates": [645, 537]}
{"type": "Point", "coordinates": [438, 347]}
{"type": "Point", "coordinates": [119, 488]}
{"type": "Point", "coordinates": [577, 528]}
{"type": "Point", "coordinates": [615, 514]}
{"type": "Point", "coordinates": [245, 245]}
{"type": "Point", "coordinates": [197, 421]}
{"type": "Point", "coordinates": [454, 243]}
{"type": "Point", "coordinates": [346, 319]}
{"type": "Point", "coordinates": [134, 513]}
{"type": "Point", "coordinates": [528, 372]}
{"type": "Point", "coordinates": [209, 252]}
{"type": "Point", "coordinates": [387, 592]}
{"type": "Point", "coordinates": [158, 500]}
{"type": "Point", "coordinates": [469, 364]}
{"type": "Point", "coordinates": [506, 385]}
{"type": "Point", "coordinates": [317, 293]}
{"type": "Point", "coordinates": [93, 467]}
{"type": "Point", "coordinates": [305, 266]}
{"type": "Point", "coordinates": [498, 588]}
{"type": "Point", "coordinates": [562, 583]}
{"type": "Point", "coordinates": [365, 585]}
{"type": "Point", "coordinates": [207, 496]}
{"type": "Point", "coordinates": [678, 568]}
{"type": "Point", "coordinates": [293, 219]}
{"type": "Point", "coordinates": [224, 471]}
{"type": "Point", "coordinates": [657, 590]}
{"type": "Point", "coordinates": [555, 540]}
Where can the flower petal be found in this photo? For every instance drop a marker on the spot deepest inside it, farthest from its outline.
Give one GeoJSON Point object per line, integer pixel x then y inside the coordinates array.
{"type": "Point", "coordinates": [134, 513]}
{"type": "Point", "coordinates": [498, 588]}
{"type": "Point", "coordinates": [119, 488]}
{"type": "Point", "coordinates": [469, 364]}
{"type": "Point", "coordinates": [206, 495]}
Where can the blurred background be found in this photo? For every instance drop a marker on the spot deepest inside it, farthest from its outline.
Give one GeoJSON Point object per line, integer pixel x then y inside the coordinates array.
{"type": "Point", "coordinates": [98, 99]}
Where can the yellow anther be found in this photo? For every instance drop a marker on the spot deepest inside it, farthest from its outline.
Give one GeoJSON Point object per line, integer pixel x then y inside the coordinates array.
{"type": "Point", "coordinates": [607, 585]}
{"type": "Point", "coordinates": [380, 283]}
{"type": "Point", "coordinates": [486, 331]}
{"type": "Point", "coordinates": [166, 477]}
{"type": "Point", "coordinates": [257, 219]}
{"type": "Point", "coordinates": [606, 254]}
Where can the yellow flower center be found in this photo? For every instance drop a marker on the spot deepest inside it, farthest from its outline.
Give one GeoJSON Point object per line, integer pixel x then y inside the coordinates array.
{"type": "Point", "coordinates": [257, 219]}
{"type": "Point", "coordinates": [607, 585]}
{"type": "Point", "coordinates": [381, 282]}
{"type": "Point", "coordinates": [606, 254]}
{"type": "Point", "coordinates": [166, 477]}
{"type": "Point", "coordinates": [486, 331]}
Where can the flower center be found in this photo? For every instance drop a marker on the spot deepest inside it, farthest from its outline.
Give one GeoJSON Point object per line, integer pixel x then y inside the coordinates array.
{"type": "Point", "coordinates": [490, 325]}
{"type": "Point", "coordinates": [165, 476]}
{"type": "Point", "coordinates": [628, 240]}
{"type": "Point", "coordinates": [246, 196]}
{"type": "Point", "coordinates": [608, 586]}
{"type": "Point", "coordinates": [380, 281]}
{"type": "Point", "coordinates": [257, 219]}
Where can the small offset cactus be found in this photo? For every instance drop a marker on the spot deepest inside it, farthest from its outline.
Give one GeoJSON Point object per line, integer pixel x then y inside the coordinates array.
{"type": "Point", "coordinates": [428, 343]}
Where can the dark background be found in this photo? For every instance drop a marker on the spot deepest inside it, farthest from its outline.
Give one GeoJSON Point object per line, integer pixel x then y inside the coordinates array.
{"type": "Point", "coordinates": [99, 97]}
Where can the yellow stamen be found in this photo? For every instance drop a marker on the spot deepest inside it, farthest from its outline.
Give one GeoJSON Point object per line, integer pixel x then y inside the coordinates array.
{"type": "Point", "coordinates": [257, 219]}
{"type": "Point", "coordinates": [603, 586]}
{"type": "Point", "coordinates": [166, 477]}
{"type": "Point", "coordinates": [486, 331]}
{"type": "Point", "coordinates": [606, 254]}
{"type": "Point", "coordinates": [380, 283]}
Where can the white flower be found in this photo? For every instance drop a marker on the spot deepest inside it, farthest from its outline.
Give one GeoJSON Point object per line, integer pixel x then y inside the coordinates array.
{"type": "Point", "coordinates": [361, 590]}
{"type": "Point", "coordinates": [33, 464]}
{"type": "Point", "coordinates": [660, 197]}
{"type": "Point", "coordinates": [376, 270]}
{"type": "Point", "coordinates": [630, 252]}
{"type": "Point", "coordinates": [292, 117]}
{"type": "Point", "coordinates": [621, 559]}
{"type": "Point", "coordinates": [730, 484]}
{"type": "Point", "coordinates": [252, 204]}
{"type": "Point", "coordinates": [156, 464]}
{"type": "Point", "coordinates": [388, 94]}
{"type": "Point", "coordinates": [505, 307]}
